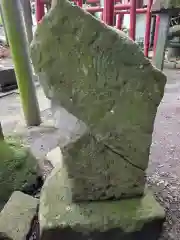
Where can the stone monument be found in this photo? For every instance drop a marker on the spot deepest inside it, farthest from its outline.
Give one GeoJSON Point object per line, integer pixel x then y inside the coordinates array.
{"type": "Point", "coordinates": [102, 77]}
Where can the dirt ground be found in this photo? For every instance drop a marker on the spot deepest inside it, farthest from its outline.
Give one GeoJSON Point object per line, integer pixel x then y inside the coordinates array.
{"type": "Point", "coordinates": [164, 167]}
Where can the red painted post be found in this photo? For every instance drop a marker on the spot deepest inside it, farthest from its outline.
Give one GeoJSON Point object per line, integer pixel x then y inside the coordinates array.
{"type": "Point", "coordinates": [80, 3]}
{"type": "Point", "coordinates": [92, 1]}
{"type": "Point", "coordinates": [116, 11]}
{"type": "Point", "coordinates": [116, 7]}
{"type": "Point", "coordinates": [148, 28]}
{"type": "Point", "coordinates": [138, 11]}
{"type": "Point", "coordinates": [132, 30]}
{"type": "Point", "coordinates": [39, 10]}
{"type": "Point", "coordinates": [98, 1]}
{"type": "Point", "coordinates": [94, 10]}
{"type": "Point", "coordinates": [139, 4]}
{"type": "Point", "coordinates": [108, 12]}
{"type": "Point", "coordinates": [119, 21]}
{"type": "Point", "coordinates": [122, 6]}
{"type": "Point", "coordinates": [156, 34]}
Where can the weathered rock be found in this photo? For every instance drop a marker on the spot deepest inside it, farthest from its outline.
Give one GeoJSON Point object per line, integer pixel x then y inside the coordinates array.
{"type": "Point", "coordinates": [102, 77]}
{"type": "Point", "coordinates": [60, 218]}
{"type": "Point", "coordinates": [55, 157]}
{"type": "Point", "coordinates": [18, 169]}
{"type": "Point", "coordinates": [97, 172]}
{"type": "Point", "coordinates": [16, 216]}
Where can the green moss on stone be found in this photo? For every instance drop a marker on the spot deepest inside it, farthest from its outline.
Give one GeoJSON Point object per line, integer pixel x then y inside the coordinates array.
{"type": "Point", "coordinates": [102, 77]}
{"type": "Point", "coordinates": [173, 3]}
{"type": "Point", "coordinates": [167, 4]}
{"type": "Point", "coordinates": [17, 168]}
{"type": "Point", "coordinates": [115, 178]}
{"type": "Point", "coordinates": [18, 213]}
{"type": "Point", "coordinates": [58, 211]}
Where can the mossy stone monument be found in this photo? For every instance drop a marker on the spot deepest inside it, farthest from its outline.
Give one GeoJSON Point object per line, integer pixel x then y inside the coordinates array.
{"type": "Point", "coordinates": [102, 77]}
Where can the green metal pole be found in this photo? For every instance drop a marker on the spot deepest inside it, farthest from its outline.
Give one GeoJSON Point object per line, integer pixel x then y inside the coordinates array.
{"type": "Point", "coordinates": [26, 7]}
{"type": "Point", "coordinates": [3, 22]}
{"type": "Point", "coordinates": [15, 27]}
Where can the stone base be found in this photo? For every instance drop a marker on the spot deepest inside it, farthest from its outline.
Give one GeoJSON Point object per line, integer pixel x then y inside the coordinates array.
{"type": "Point", "coordinates": [132, 219]}
{"type": "Point", "coordinates": [16, 217]}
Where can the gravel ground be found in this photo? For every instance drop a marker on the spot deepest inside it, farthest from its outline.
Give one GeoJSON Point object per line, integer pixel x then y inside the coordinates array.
{"type": "Point", "coordinates": [164, 167]}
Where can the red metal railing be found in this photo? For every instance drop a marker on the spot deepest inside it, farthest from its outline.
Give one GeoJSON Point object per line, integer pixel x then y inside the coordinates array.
{"type": "Point", "coordinates": [108, 12]}
{"type": "Point", "coordinates": [132, 29]}
{"type": "Point", "coordinates": [39, 10]}
{"type": "Point", "coordinates": [115, 9]}
{"type": "Point", "coordinates": [148, 28]}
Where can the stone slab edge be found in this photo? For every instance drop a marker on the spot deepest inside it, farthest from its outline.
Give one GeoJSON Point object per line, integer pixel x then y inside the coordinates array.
{"type": "Point", "coordinates": [17, 215]}
{"type": "Point", "coordinates": [57, 209]}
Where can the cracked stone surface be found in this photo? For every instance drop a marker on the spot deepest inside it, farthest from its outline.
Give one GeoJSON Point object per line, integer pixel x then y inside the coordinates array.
{"type": "Point", "coordinates": [84, 67]}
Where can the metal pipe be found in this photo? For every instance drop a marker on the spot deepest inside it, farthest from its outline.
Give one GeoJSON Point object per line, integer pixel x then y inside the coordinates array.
{"type": "Point", "coordinates": [119, 21]}
{"type": "Point", "coordinates": [94, 9]}
{"type": "Point", "coordinates": [148, 28]}
{"type": "Point", "coordinates": [15, 27]}
{"type": "Point", "coordinates": [92, 1]}
{"type": "Point", "coordinates": [139, 3]}
{"type": "Point", "coordinates": [26, 7]}
{"type": "Point", "coordinates": [116, 11]}
{"type": "Point", "coordinates": [108, 12]}
{"type": "Point", "coordinates": [122, 6]}
{"type": "Point", "coordinates": [138, 11]}
{"type": "Point", "coordinates": [80, 3]}
{"type": "Point", "coordinates": [132, 29]}
{"type": "Point", "coordinates": [101, 4]}
{"type": "Point", "coordinates": [156, 34]}
{"type": "Point", "coordinates": [39, 10]}
{"type": "Point", "coordinates": [98, 1]}
{"type": "Point", "coordinates": [116, 8]}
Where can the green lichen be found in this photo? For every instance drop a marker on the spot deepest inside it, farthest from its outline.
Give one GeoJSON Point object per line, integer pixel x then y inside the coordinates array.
{"type": "Point", "coordinates": [84, 160]}
{"type": "Point", "coordinates": [173, 3]}
{"type": "Point", "coordinates": [17, 168]}
{"type": "Point", "coordinates": [57, 210]}
{"type": "Point", "coordinates": [102, 77]}
{"type": "Point", "coordinates": [167, 4]}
